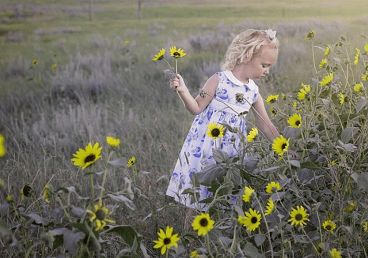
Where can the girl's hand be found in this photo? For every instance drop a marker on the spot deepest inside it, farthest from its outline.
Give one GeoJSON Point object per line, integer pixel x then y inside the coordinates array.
{"type": "Point", "coordinates": [177, 83]}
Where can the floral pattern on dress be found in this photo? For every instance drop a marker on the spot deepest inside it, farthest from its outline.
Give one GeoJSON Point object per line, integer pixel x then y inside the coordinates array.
{"type": "Point", "coordinates": [196, 152]}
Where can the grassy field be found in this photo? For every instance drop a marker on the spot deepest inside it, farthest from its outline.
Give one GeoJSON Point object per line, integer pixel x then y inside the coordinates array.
{"type": "Point", "coordinates": [105, 86]}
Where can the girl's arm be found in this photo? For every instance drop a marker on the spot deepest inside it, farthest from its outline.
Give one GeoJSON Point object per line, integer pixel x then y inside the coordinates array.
{"type": "Point", "coordinates": [198, 104]}
{"type": "Point", "coordinates": [263, 121]}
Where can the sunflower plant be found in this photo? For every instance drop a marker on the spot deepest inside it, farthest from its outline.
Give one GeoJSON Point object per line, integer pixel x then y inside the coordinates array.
{"type": "Point", "coordinates": [268, 203]}
{"type": "Point", "coordinates": [175, 53]}
{"type": "Point", "coordinates": [84, 223]}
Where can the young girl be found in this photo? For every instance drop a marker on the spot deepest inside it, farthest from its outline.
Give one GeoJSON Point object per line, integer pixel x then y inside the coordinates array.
{"type": "Point", "coordinates": [248, 59]}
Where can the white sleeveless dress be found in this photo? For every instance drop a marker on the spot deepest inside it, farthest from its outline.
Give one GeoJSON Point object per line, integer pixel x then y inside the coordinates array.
{"type": "Point", "coordinates": [198, 146]}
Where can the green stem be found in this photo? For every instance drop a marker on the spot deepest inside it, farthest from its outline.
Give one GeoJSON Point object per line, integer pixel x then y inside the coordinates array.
{"type": "Point", "coordinates": [268, 230]}
{"type": "Point", "coordinates": [314, 59]}
{"type": "Point", "coordinates": [22, 225]}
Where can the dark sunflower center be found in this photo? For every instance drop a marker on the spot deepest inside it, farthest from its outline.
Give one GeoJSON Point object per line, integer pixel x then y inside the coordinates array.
{"type": "Point", "coordinates": [215, 132]}
{"type": "Point", "coordinates": [254, 220]}
{"type": "Point", "coordinates": [299, 217]}
{"type": "Point", "coordinates": [161, 57]}
{"type": "Point", "coordinates": [328, 227]}
{"type": "Point", "coordinates": [167, 241]}
{"type": "Point", "coordinates": [100, 215]}
{"type": "Point", "coordinates": [176, 54]}
{"type": "Point", "coordinates": [283, 146]}
{"type": "Point", "coordinates": [297, 123]}
{"type": "Point", "coordinates": [27, 190]}
{"type": "Point", "coordinates": [203, 222]}
{"type": "Point", "coordinates": [89, 158]}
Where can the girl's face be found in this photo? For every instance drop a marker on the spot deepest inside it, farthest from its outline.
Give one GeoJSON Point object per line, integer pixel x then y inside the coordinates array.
{"type": "Point", "coordinates": [259, 65]}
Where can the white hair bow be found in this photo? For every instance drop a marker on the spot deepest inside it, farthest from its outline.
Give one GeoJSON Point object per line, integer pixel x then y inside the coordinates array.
{"type": "Point", "coordinates": [271, 33]}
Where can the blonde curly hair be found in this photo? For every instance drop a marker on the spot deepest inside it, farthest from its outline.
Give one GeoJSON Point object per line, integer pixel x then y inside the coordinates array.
{"type": "Point", "coordinates": [245, 45]}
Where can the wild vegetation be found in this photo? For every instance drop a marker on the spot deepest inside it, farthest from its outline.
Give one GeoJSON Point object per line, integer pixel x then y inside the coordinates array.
{"type": "Point", "coordinates": [67, 83]}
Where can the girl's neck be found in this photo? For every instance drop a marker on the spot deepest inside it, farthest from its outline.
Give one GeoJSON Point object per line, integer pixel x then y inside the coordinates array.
{"type": "Point", "coordinates": [238, 73]}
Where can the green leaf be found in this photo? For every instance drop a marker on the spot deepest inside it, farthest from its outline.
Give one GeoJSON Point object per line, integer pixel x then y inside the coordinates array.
{"type": "Point", "coordinates": [234, 175]}
{"type": "Point", "coordinates": [210, 173]}
{"type": "Point", "coordinates": [295, 163]}
{"type": "Point", "coordinates": [250, 163]}
{"type": "Point", "coordinates": [219, 155]}
{"type": "Point", "coordinates": [361, 105]}
{"type": "Point", "coordinates": [71, 240]}
{"type": "Point", "coordinates": [37, 219]}
{"type": "Point", "coordinates": [363, 181]}
{"type": "Point", "coordinates": [301, 239]}
{"type": "Point", "coordinates": [122, 198]}
{"type": "Point", "coordinates": [309, 164]}
{"type": "Point", "coordinates": [290, 132]}
{"type": "Point", "coordinates": [348, 133]}
{"type": "Point", "coordinates": [93, 243]}
{"type": "Point", "coordinates": [127, 232]}
{"type": "Point", "coordinates": [250, 250]}
{"type": "Point", "coordinates": [122, 162]}
{"type": "Point", "coordinates": [259, 239]}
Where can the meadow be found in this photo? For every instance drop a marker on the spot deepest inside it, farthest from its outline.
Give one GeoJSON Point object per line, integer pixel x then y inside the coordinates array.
{"type": "Point", "coordinates": [67, 82]}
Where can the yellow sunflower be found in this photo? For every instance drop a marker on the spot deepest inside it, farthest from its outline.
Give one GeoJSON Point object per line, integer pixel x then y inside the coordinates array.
{"type": "Point", "coordinates": [295, 121]}
{"type": "Point", "coordinates": [54, 66]}
{"type": "Point", "coordinates": [2, 146]}
{"type": "Point", "coordinates": [46, 193]}
{"type": "Point", "coordinates": [280, 145]}
{"type": "Point", "coordinates": [273, 111]}
{"type": "Point", "coordinates": [341, 98]}
{"type": "Point", "coordinates": [351, 206]}
{"type": "Point", "coordinates": [327, 51]}
{"type": "Point", "coordinates": [357, 55]}
{"type": "Point", "coordinates": [100, 216]}
{"type": "Point", "coordinates": [203, 224]}
{"type": "Point", "coordinates": [323, 63]}
{"type": "Point", "coordinates": [127, 42]}
{"type": "Point", "coordinates": [327, 79]}
{"type": "Point", "coordinates": [272, 98]}
{"type": "Point", "coordinates": [299, 216]}
{"type": "Point", "coordinates": [252, 134]}
{"type": "Point", "coordinates": [85, 158]}
{"type": "Point", "coordinates": [270, 207]}
{"type": "Point", "coordinates": [366, 47]}
{"type": "Point", "coordinates": [166, 239]}
{"type": "Point", "coordinates": [112, 141]}
{"type": "Point", "coordinates": [364, 77]}
{"type": "Point", "coordinates": [248, 191]}
{"type": "Point", "coordinates": [131, 162]}
{"type": "Point", "coordinates": [365, 225]}
{"type": "Point", "coordinates": [35, 62]}
{"type": "Point", "coordinates": [329, 225]}
{"type": "Point", "coordinates": [215, 131]}
{"type": "Point", "coordinates": [358, 88]}
{"type": "Point", "coordinates": [177, 53]}
{"type": "Point", "coordinates": [194, 254]}
{"type": "Point", "coordinates": [310, 35]}
{"type": "Point", "coordinates": [335, 254]}
{"type": "Point", "coordinates": [303, 93]}
{"type": "Point", "coordinates": [251, 220]}
{"type": "Point", "coordinates": [273, 187]}
{"type": "Point", "coordinates": [160, 55]}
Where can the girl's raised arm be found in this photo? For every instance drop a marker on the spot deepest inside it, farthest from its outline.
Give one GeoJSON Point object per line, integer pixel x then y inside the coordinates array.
{"type": "Point", "coordinates": [198, 104]}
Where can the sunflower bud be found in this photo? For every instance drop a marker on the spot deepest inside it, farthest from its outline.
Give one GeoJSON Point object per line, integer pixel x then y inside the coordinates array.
{"type": "Point", "coordinates": [9, 199]}
{"type": "Point", "coordinates": [26, 191]}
